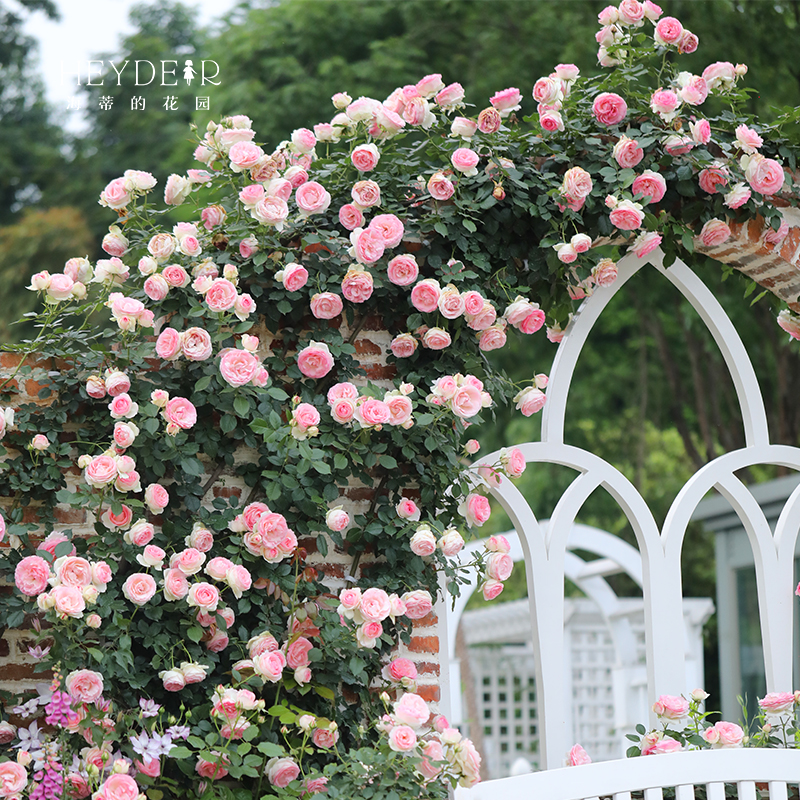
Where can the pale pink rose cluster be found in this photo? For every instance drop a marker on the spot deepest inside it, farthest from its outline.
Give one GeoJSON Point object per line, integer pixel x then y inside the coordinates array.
{"type": "Point", "coordinates": [445, 755]}
{"type": "Point", "coordinates": [370, 608]}
{"type": "Point", "coordinates": [305, 421]}
{"type": "Point", "coordinates": [384, 232]}
{"type": "Point", "coordinates": [119, 192]}
{"type": "Point", "coordinates": [232, 707]}
{"type": "Point", "coordinates": [671, 707]}
{"type": "Point", "coordinates": [724, 735]}
{"type": "Point", "coordinates": [76, 582]}
{"type": "Point", "coordinates": [265, 532]}
{"type": "Point", "coordinates": [576, 186]}
{"type": "Point", "coordinates": [424, 542]}
{"type": "Point", "coordinates": [497, 568]}
{"type": "Point", "coordinates": [550, 93]}
{"type": "Point", "coordinates": [462, 394]}
{"type": "Point", "coordinates": [194, 344]}
{"type": "Point", "coordinates": [180, 414]}
{"type": "Point", "coordinates": [347, 405]}
{"type": "Point", "coordinates": [187, 673]}
{"type": "Point", "coordinates": [776, 703]}
{"type": "Point", "coordinates": [401, 672]}
{"type": "Point", "coordinates": [625, 214]}
{"type": "Point", "coordinates": [658, 742]}
{"type": "Point", "coordinates": [567, 252]}
{"type": "Point", "coordinates": [60, 286]}
{"type": "Point", "coordinates": [268, 660]}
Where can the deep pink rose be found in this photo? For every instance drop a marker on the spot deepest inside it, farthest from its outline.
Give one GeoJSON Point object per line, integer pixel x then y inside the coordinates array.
{"type": "Point", "coordinates": [365, 157]}
{"type": "Point", "coordinates": [650, 185]}
{"type": "Point", "coordinates": [627, 216]}
{"type": "Point", "coordinates": [351, 217]}
{"type": "Point", "coordinates": [31, 574]}
{"type": "Point", "coordinates": [294, 277]}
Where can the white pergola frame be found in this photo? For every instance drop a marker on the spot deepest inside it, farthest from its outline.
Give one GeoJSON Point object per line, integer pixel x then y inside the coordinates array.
{"type": "Point", "coordinates": [545, 547]}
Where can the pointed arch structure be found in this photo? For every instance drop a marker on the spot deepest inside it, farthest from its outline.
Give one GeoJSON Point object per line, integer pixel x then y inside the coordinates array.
{"type": "Point", "coordinates": [545, 546]}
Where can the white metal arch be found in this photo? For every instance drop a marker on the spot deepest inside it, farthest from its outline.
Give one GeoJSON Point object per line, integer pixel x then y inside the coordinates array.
{"type": "Point", "coordinates": [544, 549]}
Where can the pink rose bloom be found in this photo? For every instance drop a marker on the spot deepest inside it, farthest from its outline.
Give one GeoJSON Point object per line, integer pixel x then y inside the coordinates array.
{"type": "Point", "coordinates": [408, 509]}
{"type": "Point", "coordinates": [101, 471]}
{"type": "Point", "coordinates": [712, 177]}
{"type": "Point", "coordinates": [436, 339]}
{"type": "Point", "coordinates": [551, 120]}
{"type": "Point", "coordinates": [325, 738]}
{"type": "Point", "coordinates": [221, 296]}
{"type": "Point", "coordinates": [342, 390]}
{"type": "Point", "coordinates": [529, 401]}
{"type": "Point", "coordinates": [627, 152]}
{"type": "Point", "coordinates": [627, 216]}
{"type": "Point", "coordinates": [179, 411]}
{"type": "Point", "coordinates": [577, 183]}
{"type": "Point", "coordinates": [69, 601]}
{"type": "Point", "coordinates": [411, 710]}
{"type": "Point", "coordinates": [483, 319]}
{"type": "Point", "coordinates": [791, 324]}
{"type": "Point", "coordinates": [365, 194]}
{"type": "Point", "coordinates": [669, 31]}
{"type": "Point", "coordinates": [326, 305]}
{"type": "Point", "coordinates": [343, 410]}
{"type": "Point", "coordinates": [747, 139]}
{"type": "Point", "coordinates": [402, 738]}
{"type": "Point", "coordinates": [514, 462]}
{"type": "Point", "coordinates": [423, 542]}
{"type": "Point", "coordinates": [369, 245]}
{"type": "Point", "coordinates": [418, 604]}
{"type": "Point", "coordinates": [305, 416]}
{"type": "Point", "coordinates": [357, 285]}
{"type": "Point", "coordinates": [156, 497]}
{"type": "Point", "coordinates": [176, 586]}
{"type": "Point", "coordinates": [650, 186]}
{"type": "Point", "coordinates": [765, 175]}
{"type": "Point", "coordinates": [213, 770]}
{"type": "Point", "coordinates": [425, 295]}
{"type": "Point", "coordinates": [695, 91]}
{"type": "Point", "coordinates": [351, 217]}
{"type": "Point", "coordinates": [119, 787]}
{"type": "Point", "coordinates": [294, 277]}
{"type": "Point", "coordinates": [195, 344]}
{"type": "Point", "coordinates": [489, 120]}
{"type": "Point", "coordinates": [644, 243]}
{"type": "Point", "coordinates": [466, 402]}
{"type": "Point", "coordinates": [401, 668]}
{"type": "Point", "coordinates": [175, 275]}
{"type": "Point", "coordinates": [95, 388]}
{"type": "Point", "coordinates": [463, 127]}
{"type": "Point", "coordinates": [738, 195]}
{"type": "Point", "coordinates": [168, 344]}
{"type": "Point", "coordinates": [548, 91]}
{"type": "Point", "coordinates": [156, 288]}
{"type": "Point", "coordinates": [115, 195]}
{"type": "Point", "coordinates": [720, 73]}
{"type": "Point", "coordinates": [492, 589]}
{"type": "Point", "coordinates": [139, 588]}
{"type": "Point", "coordinates": [475, 509]}
{"type": "Point", "coordinates": [304, 140]}
{"type": "Point", "coordinates": [440, 186]}
{"type": "Point", "coordinates": [403, 345]}
{"type": "Point", "coordinates": [465, 161]}
{"type": "Point", "coordinates": [188, 561]}
{"type": "Point", "coordinates": [297, 653]}
{"type": "Point", "coordinates": [365, 157]}
{"type": "Point", "coordinates": [451, 543]}
{"type": "Point", "coordinates": [724, 734]}
{"type": "Point", "coordinates": [578, 756]}
{"type": "Point", "coordinates": [506, 101]}
{"type": "Point", "coordinates": [714, 233]}
{"type": "Point", "coordinates": [777, 702]}
{"type": "Point", "coordinates": [271, 210]}
{"type": "Point", "coordinates": [402, 270]}
{"type": "Point", "coordinates": [244, 155]}
{"type": "Point", "coordinates": [371, 413]}
{"type": "Point", "coordinates": [315, 360]}
{"type": "Point", "coordinates": [450, 96]}
{"type": "Point", "coordinates": [204, 596]}
{"type": "Point", "coordinates": [84, 685]}
{"type": "Point", "coordinates": [337, 519]}
{"type": "Point", "coordinates": [631, 12]}
{"type": "Point", "coordinates": [73, 571]}
{"type": "Point", "coordinates": [473, 302]}
{"type": "Point", "coordinates": [282, 771]}
{"type": "Point", "coordinates": [493, 338]}
{"type": "Point", "coordinates": [389, 227]}
{"type": "Point", "coordinates": [31, 575]}
{"type": "Point", "coordinates": [671, 707]}
{"type": "Point", "coordinates": [400, 408]}
{"type": "Point", "coordinates": [499, 566]}
{"type": "Point", "coordinates": [375, 605]}
{"type": "Point", "coordinates": [665, 103]}
{"type": "Point", "coordinates": [123, 406]}
{"type": "Point", "coordinates": [117, 383]}
{"type": "Point", "coordinates": [609, 108]}
{"type": "Point", "coordinates": [312, 198]}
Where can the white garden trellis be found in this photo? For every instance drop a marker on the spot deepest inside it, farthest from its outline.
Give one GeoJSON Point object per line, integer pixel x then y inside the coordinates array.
{"type": "Point", "coordinates": [545, 549]}
{"type": "Point", "coordinates": [605, 695]}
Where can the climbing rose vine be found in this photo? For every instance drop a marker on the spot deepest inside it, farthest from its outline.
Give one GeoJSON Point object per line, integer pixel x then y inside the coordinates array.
{"type": "Point", "coordinates": [262, 397]}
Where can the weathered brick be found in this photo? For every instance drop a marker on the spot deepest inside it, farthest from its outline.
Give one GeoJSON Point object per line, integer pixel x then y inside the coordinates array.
{"type": "Point", "coordinates": [366, 347]}
{"type": "Point", "coordinates": [429, 692]}
{"type": "Point", "coordinates": [426, 621]}
{"type": "Point", "coordinates": [70, 516]}
{"type": "Point", "coordinates": [428, 668]}
{"type": "Point", "coordinates": [424, 644]}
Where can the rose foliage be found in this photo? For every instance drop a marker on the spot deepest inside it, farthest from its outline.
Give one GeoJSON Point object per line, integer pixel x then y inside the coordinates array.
{"type": "Point", "coordinates": [262, 408]}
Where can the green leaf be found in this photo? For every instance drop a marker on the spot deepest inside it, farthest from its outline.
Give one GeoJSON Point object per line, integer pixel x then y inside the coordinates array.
{"type": "Point", "coordinates": [180, 752]}
{"type": "Point", "coordinates": [203, 383]}
{"type": "Point", "coordinates": [97, 655]}
{"type": "Point", "coordinates": [325, 692]}
{"type": "Point", "coordinates": [241, 405]}
{"type": "Point", "coordinates": [321, 467]}
{"type": "Point", "coordinates": [195, 633]}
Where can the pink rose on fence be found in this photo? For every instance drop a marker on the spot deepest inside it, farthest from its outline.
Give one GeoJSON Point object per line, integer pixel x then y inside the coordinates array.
{"type": "Point", "coordinates": [644, 243]}
{"type": "Point", "coordinates": [315, 360]}
{"type": "Point", "coordinates": [400, 668]}
{"type": "Point", "coordinates": [777, 702]}
{"type": "Point", "coordinates": [101, 471]}
{"type": "Point", "coordinates": [627, 215]}
{"type": "Point", "coordinates": [423, 542]}
{"type": "Point", "coordinates": [418, 603]}
{"type": "Point", "coordinates": [671, 707]}
{"type": "Point", "coordinates": [499, 566]}
{"type": "Point", "coordinates": [578, 756]}
{"type": "Point", "coordinates": [492, 589]}
{"type": "Point", "coordinates": [475, 509]}
{"type": "Point", "coordinates": [609, 108]}
{"type": "Point", "coordinates": [68, 601]}
{"type": "Point", "coordinates": [337, 519]}
{"type": "Point", "coordinates": [724, 734]}
{"type": "Point", "coordinates": [529, 401]}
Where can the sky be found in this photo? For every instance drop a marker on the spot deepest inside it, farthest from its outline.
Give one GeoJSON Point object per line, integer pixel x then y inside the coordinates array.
{"type": "Point", "coordinates": [86, 28]}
